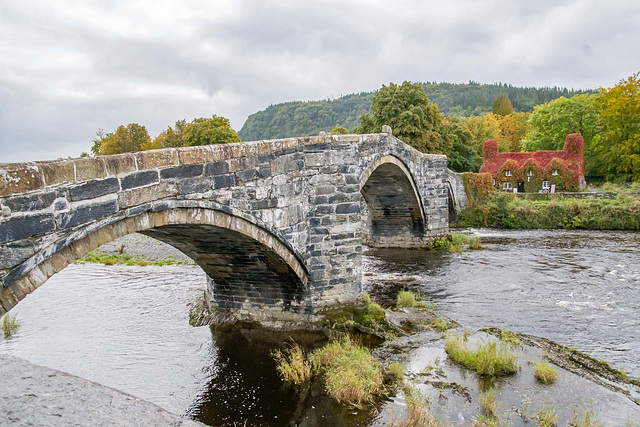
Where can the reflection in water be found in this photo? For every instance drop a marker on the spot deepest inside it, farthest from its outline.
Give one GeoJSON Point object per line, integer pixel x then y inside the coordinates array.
{"type": "Point", "coordinates": [579, 288]}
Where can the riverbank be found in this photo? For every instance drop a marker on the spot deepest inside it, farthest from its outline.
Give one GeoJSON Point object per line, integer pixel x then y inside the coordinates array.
{"type": "Point", "coordinates": [423, 382]}
{"type": "Point", "coordinates": [35, 395]}
{"type": "Point", "coordinates": [505, 210]}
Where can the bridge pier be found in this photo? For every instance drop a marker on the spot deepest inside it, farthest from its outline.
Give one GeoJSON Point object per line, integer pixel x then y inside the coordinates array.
{"type": "Point", "coordinates": [278, 226]}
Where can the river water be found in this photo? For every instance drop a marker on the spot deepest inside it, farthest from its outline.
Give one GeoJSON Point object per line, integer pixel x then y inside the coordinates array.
{"type": "Point", "coordinates": [127, 327]}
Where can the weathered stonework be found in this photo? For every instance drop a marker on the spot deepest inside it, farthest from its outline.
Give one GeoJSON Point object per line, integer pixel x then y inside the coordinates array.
{"type": "Point", "coordinates": [278, 226]}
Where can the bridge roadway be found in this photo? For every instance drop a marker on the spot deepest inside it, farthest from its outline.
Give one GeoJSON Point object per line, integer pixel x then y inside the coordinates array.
{"type": "Point", "coordinates": [278, 226]}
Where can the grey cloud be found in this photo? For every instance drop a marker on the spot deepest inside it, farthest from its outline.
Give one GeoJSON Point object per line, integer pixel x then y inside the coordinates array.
{"type": "Point", "coordinates": [67, 69]}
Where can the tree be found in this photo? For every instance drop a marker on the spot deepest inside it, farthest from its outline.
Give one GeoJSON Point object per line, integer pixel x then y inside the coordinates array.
{"type": "Point", "coordinates": [463, 157]}
{"type": "Point", "coordinates": [125, 139]}
{"type": "Point", "coordinates": [550, 123]}
{"type": "Point", "coordinates": [412, 117]}
{"type": "Point", "coordinates": [617, 147]}
{"type": "Point", "coordinates": [339, 130]}
{"type": "Point", "coordinates": [512, 128]}
{"type": "Point", "coordinates": [206, 131]}
{"type": "Point", "coordinates": [171, 137]}
{"type": "Point", "coordinates": [482, 128]}
{"type": "Point", "coordinates": [503, 106]}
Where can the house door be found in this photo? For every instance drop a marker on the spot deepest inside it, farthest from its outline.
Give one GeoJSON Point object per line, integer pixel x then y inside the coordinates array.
{"type": "Point", "coordinates": [520, 186]}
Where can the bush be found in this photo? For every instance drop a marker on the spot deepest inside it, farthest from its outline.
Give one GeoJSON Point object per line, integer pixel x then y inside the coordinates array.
{"type": "Point", "coordinates": [545, 373]}
{"type": "Point", "coordinates": [292, 364]}
{"type": "Point", "coordinates": [509, 211]}
{"type": "Point", "coordinates": [372, 314]}
{"type": "Point", "coordinates": [9, 325]}
{"type": "Point", "coordinates": [487, 360]}
{"type": "Point", "coordinates": [351, 374]}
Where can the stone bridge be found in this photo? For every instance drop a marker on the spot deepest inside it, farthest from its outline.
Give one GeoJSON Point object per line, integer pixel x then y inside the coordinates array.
{"type": "Point", "coordinates": [278, 226]}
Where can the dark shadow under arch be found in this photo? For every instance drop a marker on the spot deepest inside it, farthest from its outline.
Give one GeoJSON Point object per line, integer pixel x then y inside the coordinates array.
{"type": "Point", "coordinates": [395, 215]}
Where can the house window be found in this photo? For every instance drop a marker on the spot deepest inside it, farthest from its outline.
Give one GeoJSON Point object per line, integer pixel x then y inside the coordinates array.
{"type": "Point", "coordinates": [507, 185]}
{"type": "Point", "coordinates": [530, 172]}
{"type": "Point", "coordinates": [554, 172]}
{"type": "Point", "coordinates": [507, 172]}
{"type": "Point", "coordinates": [546, 185]}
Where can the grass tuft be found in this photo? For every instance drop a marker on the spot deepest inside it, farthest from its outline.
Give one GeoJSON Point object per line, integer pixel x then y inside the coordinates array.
{"type": "Point", "coordinates": [441, 325]}
{"type": "Point", "coordinates": [488, 402]}
{"type": "Point", "coordinates": [9, 325]}
{"type": "Point", "coordinates": [292, 364]}
{"type": "Point", "coordinates": [396, 371]}
{"type": "Point", "coordinates": [547, 416]}
{"type": "Point", "coordinates": [350, 372]}
{"type": "Point", "coordinates": [589, 420]}
{"type": "Point", "coordinates": [545, 373]}
{"type": "Point", "coordinates": [487, 360]}
{"type": "Point", "coordinates": [407, 299]}
{"type": "Point", "coordinates": [510, 338]}
{"type": "Point", "coordinates": [417, 414]}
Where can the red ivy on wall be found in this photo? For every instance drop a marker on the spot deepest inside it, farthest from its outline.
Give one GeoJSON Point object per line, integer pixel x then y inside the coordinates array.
{"type": "Point", "coordinates": [569, 162]}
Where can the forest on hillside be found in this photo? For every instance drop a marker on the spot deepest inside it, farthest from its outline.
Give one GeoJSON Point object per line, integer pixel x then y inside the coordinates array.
{"type": "Point", "coordinates": [304, 118]}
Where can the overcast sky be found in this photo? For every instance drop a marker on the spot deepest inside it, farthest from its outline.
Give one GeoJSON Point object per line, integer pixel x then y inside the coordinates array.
{"type": "Point", "coordinates": [68, 67]}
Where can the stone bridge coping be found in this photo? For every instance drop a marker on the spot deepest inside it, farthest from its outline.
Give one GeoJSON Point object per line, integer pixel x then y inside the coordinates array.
{"type": "Point", "coordinates": [19, 178]}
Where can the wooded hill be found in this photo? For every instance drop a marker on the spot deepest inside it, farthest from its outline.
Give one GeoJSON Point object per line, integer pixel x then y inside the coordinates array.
{"type": "Point", "coordinates": [304, 118]}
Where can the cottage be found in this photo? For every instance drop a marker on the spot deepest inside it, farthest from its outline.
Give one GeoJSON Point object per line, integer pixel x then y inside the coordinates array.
{"type": "Point", "coordinates": [529, 172]}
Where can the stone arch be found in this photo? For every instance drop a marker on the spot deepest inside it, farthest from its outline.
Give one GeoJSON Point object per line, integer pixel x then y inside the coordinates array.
{"type": "Point", "coordinates": [395, 215]}
{"type": "Point", "coordinates": [243, 261]}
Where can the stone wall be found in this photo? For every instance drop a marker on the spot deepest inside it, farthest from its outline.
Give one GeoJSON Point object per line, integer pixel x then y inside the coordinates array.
{"type": "Point", "coordinates": [277, 225]}
{"type": "Point", "coordinates": [458, 196]}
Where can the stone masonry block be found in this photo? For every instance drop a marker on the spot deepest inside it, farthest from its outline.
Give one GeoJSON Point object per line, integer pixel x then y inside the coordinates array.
{"type": "Point", "coordinates": [139, 179]}
{"type": "Point", "coordinates": [20, 178]}
{"type": "Point", "coordinates": [93, 189]}
{"type": "Point", "coordinates": [89, 168]}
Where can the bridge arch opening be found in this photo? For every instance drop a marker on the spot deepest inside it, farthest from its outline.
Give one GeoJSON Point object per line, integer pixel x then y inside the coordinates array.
{"type": "Point", "coordinates": [451, 203]}
{"type": "Point", "coordinates": [394, 215]}
{"type": "Point", "coordinates": [244, 262]}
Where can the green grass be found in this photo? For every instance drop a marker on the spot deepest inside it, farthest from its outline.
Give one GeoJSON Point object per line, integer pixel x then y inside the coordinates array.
{"type": "Point", "coordinates": [372, 314]}
{"type": "Point", "coordinates": [292, 364]}
{"type": "Point", "coordinates": [459, 240]}
{"type": "Point", "coordinates": [417, 413]}
{"type": "Point", "coordinates": [441, 325]}
{"type": "Point", "coordinates": [510, 338]}
{"type": "Point", "coordinates": [396, 371]}
{"type": "Point", "coordinates": [351, 374]}
{"type": "Point", "coordinates": [125, 258]}
{"type": "Point", "coordinates": [546, 417]}
{"type": "Point", "coordinates": [511, 211]}
{"type": "Point", "coordinates": [9, 325]}
{"type": "Point", "coordinates": [488, 402]}
{"type": "Point", "coordinates": [589, 420]}
{"type": "Point", "coordinates": [545, 373]}
{"type": "Point", "coordinates": [406, 299]}
{"type": "Point", "coordinates": [488, 359]}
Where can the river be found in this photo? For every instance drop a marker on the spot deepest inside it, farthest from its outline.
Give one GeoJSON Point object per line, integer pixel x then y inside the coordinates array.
{"type": "Point", "coordinates": [127, 327]}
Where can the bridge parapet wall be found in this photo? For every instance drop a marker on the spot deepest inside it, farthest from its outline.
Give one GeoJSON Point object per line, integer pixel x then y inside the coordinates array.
{"type": "Point", "coordinates": [305, 192]}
